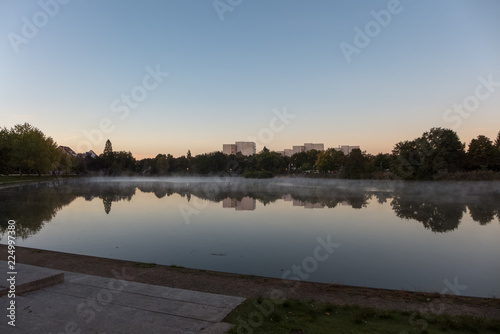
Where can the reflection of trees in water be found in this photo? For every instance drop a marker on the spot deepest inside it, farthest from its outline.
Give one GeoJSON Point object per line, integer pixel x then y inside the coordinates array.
{"type": "Point", "coordinates": [438, 217]}
{"type": "Point", "coordinates": [382, 196]}
{"type": "Point", "coordinates": [484, 211]}
{"type": "Point", "coordinates": [107, 204]}
{"type": "Point", "coordinates": [32, 206]}
{"type": "Point", "coordinates": [439, 208]}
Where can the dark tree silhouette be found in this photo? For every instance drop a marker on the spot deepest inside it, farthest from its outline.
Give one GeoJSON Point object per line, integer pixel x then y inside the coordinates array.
{"type": "Point", "coordinates": [107, 201]}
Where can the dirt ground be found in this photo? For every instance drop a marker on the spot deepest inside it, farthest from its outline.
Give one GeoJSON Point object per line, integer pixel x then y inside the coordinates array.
{"type": "Point", "coordinates": [252, 286]}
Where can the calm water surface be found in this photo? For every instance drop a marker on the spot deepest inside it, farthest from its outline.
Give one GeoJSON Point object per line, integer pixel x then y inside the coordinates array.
{"type": "Point", "coordinates": [385, 234]}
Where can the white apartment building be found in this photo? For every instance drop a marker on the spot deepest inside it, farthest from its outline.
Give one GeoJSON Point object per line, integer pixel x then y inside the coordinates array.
{"type": "Point", "coordinates": [311, 146]}
{"type": "Point", "coordinates": [229, 149]}
{"type": "Point", "coordinates": [346, 149]}
{"type": "Point", "coordinates": [297, 149]}
{"type": "Point", "coordinates": [303, 148]}
{"type": "Point", "coordinates": [246, 148]}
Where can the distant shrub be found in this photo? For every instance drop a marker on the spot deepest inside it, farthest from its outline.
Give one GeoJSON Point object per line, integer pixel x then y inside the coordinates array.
{"type": "Point", "coordinates": [264, 174]}
{"type": "Point", "coordinates": [476, 175]}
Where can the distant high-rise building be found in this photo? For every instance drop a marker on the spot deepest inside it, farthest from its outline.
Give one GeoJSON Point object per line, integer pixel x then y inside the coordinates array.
{"type": "Point", "coordinates": [246, 148]}
{"type": "Point", "coordinates": [304, 148]}
{"type": "Point", "coordinates": [297, 149]}
{"type": "Point", "coordinates": [311, 146]}
{"type": "Point", "coordinates": [346, 149]}
{"type": "Point", "coordinates": [229, 149]}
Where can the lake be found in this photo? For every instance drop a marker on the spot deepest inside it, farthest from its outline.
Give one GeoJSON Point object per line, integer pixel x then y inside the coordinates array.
{"type": "Point", "coordinates": [417, 236]}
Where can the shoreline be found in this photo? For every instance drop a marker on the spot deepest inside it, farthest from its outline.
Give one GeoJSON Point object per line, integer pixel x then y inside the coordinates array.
{"type": "Point", "coordinates": [466, 177]}
{"type": "Point", "coordinates": [256, 286]}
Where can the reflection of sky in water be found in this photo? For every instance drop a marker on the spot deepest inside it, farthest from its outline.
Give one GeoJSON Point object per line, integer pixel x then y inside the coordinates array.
{"type": "Point", "coordinates": [377, 248]}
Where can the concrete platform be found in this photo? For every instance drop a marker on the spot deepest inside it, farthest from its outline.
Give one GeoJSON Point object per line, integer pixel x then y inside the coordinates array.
{"type": "Point", "coordinates": [29, 278]}
{"type": "Point", "coordinates": [91, 304]}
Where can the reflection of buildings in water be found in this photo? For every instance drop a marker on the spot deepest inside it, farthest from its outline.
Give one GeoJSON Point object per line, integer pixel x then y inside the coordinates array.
{"type": "Point", "coordinates": [246, 203]}
{"type": "Point", "coordinates": [307, 205]}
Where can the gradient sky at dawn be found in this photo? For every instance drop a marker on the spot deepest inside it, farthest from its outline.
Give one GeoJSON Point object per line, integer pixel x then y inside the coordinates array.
{"type": "Point", "coordinates": [228, 77]}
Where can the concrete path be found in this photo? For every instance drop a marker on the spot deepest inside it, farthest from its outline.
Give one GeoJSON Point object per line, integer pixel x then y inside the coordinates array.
{"type": "Point", "coordinates": [91, 304]}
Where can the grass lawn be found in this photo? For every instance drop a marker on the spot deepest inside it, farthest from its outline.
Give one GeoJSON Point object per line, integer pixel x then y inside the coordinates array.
{"type": "Point", "coordinates": [259, 315]}
{"type": "Point", "coordinates": [11, 179]}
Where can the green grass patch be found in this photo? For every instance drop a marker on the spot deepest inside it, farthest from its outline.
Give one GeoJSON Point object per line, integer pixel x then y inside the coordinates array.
{"type": "Point", "coordinates": [13, 179]}
{"type": "Point", "coordinates": [145, 265]}
{"type": "Point", "coordinates": [176, 266]}
{"type": "Point", "coordinates": [259, 315]}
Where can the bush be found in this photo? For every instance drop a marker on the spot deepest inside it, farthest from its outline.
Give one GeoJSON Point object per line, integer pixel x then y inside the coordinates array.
{"type": "Point", "coordinates": [264, 174]}
{"type": "Point", "coordinates": [477, 175]}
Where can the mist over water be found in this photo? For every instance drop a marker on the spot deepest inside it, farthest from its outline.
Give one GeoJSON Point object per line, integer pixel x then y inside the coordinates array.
{"type": "Point", "coordinates": [391, 234]}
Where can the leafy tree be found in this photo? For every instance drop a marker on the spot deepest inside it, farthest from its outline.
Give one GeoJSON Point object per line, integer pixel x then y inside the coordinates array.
{"type": "Point", "coordinates": [181, 165]}
{"type": "Point", "coordinates": [108, 155]}
{"type": "Point", "coordinates": [238, 162]}
{"type": "Point", "coordinates": [5, 151]}
{"type": "Point", "coordinates": [481, 153]}
{"type": "Point", "coordinates": [405, 159]}
{"type": "Point", "coordinates": [298, 159]}
{"type": "Point", "coordinates": [32, 151]}
{"type": "Point", "coordinates": [270, 161]}
{"type": "Point", "coordinates": [65, 163]}
{"type": "Point", "coordinates": [123, 163]}
{"type": "Point", "coordinates": [312, 156]}
{"type": "Point", "coordinates": [325, 164]}
{"type": "Point", "coordinates": [422, 158]}
{"type": "Point", "coordinates": [108, 148]}
{"type": "Point", "coordinates": [496, 163]}
{"type": "Point", "coordinates": [356, 165]}
{"type": "Point", "coordinates": [330, 160]}
{"type": "Point", "coordinates": [444, 150]}
{"type": "Point", "coordinates": [382, 162]}
{"type": "Point", "coordinates": [161, 165]}
{"type": "Point", "coordinates": [305, 160]}
{"type": "Point", "coordinates": [171, 161]}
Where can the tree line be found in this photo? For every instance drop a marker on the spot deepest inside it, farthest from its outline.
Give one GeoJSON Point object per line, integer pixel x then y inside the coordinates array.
{"type": "Point", "coordinates": [437, 154]}
{"type": "Point", "coordinates": [25, 149]}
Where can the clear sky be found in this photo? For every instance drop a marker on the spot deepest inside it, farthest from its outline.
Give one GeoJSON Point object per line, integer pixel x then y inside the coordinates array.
{"type": "Point", "coordinates": [76, 68]}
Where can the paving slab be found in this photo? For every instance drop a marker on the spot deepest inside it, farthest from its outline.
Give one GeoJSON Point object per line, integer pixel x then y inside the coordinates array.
{"type": "Point", "coordinates": [91, 304]}
{"type": "Point", "coordinates": [28, 278]}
